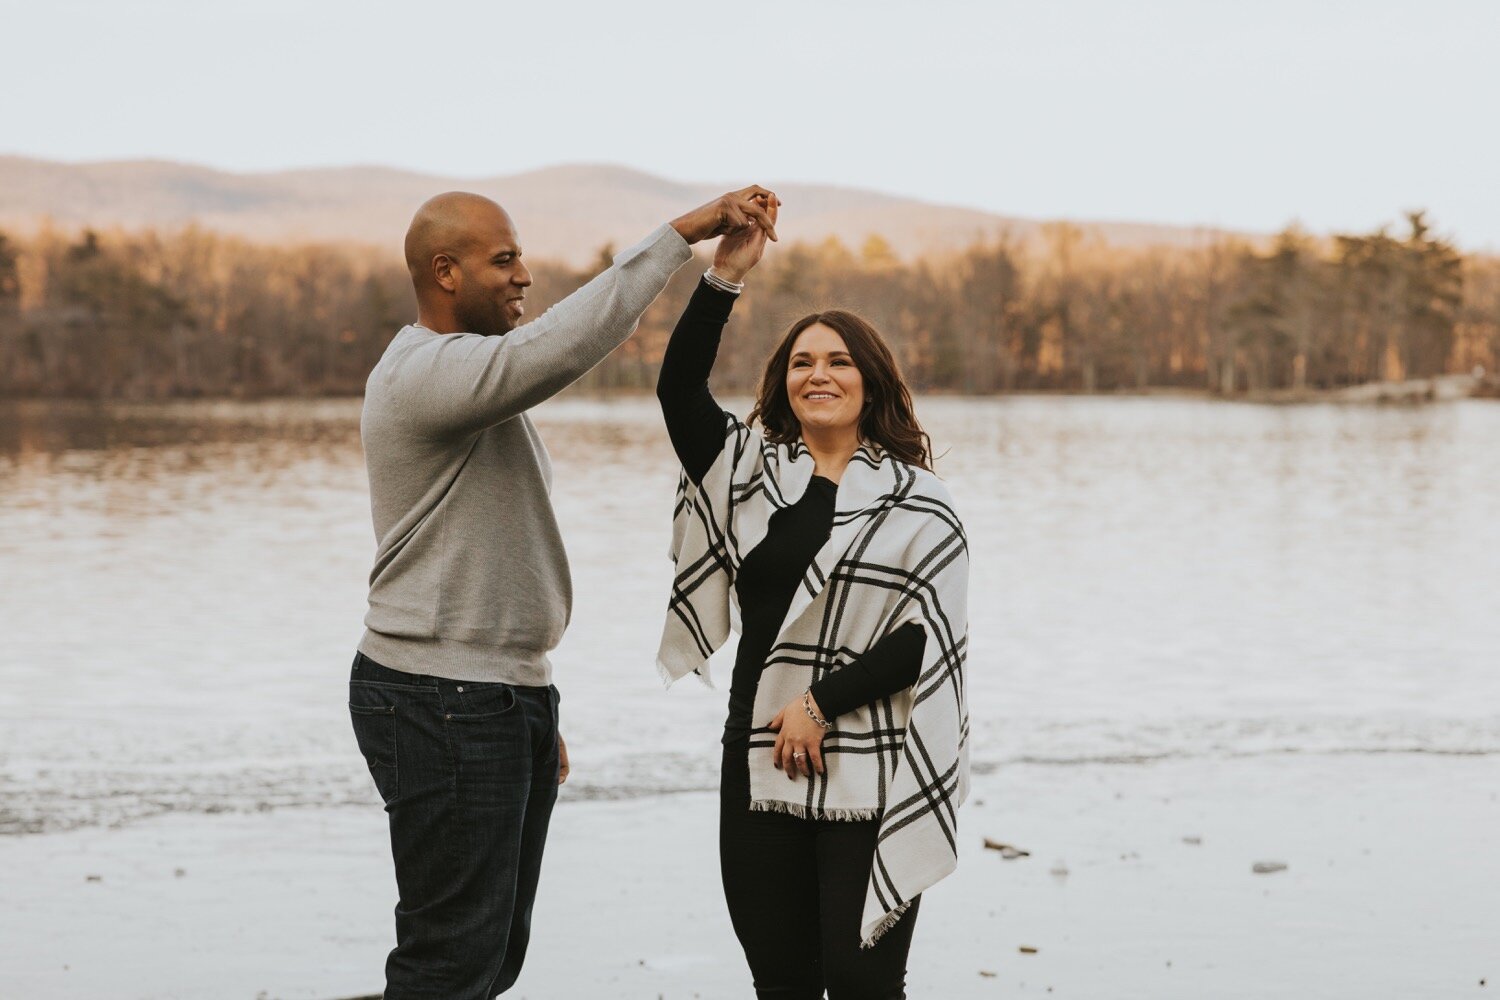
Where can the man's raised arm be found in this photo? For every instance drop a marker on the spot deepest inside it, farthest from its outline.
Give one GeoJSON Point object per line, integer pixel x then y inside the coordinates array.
{"type": "Point", "coordinates": [473, 370]}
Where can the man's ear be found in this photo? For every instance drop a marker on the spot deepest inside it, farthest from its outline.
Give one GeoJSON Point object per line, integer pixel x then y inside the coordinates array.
{"type": "Point", "coordinates": [445, 272]}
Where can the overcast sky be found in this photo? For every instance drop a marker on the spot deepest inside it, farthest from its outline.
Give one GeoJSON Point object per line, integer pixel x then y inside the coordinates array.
{"type": "Point", "coordinates": [1246, 114]}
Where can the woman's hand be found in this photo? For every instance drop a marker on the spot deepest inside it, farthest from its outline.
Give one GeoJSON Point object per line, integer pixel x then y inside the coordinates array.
{"type": "Point", "coordinates": [799, 740]}
{"type": "Point", "coordinates": [739, 251]}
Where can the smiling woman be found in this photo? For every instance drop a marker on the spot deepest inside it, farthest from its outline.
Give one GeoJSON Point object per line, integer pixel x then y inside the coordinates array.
{"type": "Point", "coordinates": [844, 750]}
{"type": "Point", "coordinates": [823, 384]}
{"type": "Point", "coordinates": [833, 375]}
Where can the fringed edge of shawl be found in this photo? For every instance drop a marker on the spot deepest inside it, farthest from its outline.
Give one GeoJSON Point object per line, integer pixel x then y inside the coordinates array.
{"type": "Point", "coordinates": [668, 678]}
{"type": "Point", "coordinates": [802, 812]}
{"type": "Point", "coordinates": [884, 924]}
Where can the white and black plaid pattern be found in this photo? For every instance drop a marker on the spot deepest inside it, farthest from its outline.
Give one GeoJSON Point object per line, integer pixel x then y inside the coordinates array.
{"type": "Point", "coordinates": [896, 554]}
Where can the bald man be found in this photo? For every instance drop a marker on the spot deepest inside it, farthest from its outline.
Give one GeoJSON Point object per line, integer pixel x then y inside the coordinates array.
{"type": "Point", "coordinates": [451, 693]}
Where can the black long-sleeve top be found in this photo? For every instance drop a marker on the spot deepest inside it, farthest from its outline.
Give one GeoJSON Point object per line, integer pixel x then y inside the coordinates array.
{"type": "Point", "coordinates": [770, 572]}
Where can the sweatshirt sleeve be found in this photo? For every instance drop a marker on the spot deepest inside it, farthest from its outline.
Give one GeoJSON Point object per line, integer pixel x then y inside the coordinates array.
{"type": "Point", "coordinates": [463, 382]}
{"type": "Point", "coordinates": [695, 422]}
{"type": "Point", "coordinates": [885, 668]}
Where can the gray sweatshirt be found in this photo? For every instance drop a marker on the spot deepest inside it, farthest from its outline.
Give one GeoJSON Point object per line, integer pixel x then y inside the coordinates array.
{"type": "Point", "coordinates": [471, 580]}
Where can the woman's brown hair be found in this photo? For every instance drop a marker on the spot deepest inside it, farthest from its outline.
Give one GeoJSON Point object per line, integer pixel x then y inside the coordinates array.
{"type": "Point", "coordinates": [887, 419]}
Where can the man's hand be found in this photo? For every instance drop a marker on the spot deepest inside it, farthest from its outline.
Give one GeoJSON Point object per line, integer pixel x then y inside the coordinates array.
{"type": "Point", "coordinates": [799, 741]}
{"type": "Point", "coordinates": [740, 250]}
{"type": "Point", "coordinates": [562, 759]}
{"type": "Point", "coordinates": [728, 214]}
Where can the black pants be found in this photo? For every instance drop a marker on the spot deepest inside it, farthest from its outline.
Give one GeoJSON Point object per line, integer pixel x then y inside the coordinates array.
{"type": "Point", "coordinates": [796, 890]}
{"type": "Point", "coordinates": [468, 772]}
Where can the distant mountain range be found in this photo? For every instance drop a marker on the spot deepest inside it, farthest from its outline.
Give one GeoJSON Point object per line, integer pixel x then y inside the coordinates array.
{"type": "Point", "coordinates": [563, 212]}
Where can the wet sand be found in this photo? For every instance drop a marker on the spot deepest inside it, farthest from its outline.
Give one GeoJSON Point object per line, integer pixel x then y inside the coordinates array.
{"type": "Point", "coordinates": [1393, 868]}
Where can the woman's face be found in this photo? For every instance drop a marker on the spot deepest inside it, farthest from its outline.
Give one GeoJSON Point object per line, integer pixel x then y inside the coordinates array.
{"type": "Point", "coordinates": [825, 389]}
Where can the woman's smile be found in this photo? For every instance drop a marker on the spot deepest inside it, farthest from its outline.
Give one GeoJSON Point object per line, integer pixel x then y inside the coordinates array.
{"type": "Point", "coordinates": [825, 389]}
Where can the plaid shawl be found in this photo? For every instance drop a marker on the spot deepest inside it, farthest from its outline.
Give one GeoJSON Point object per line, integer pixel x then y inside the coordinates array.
{"type": "Point", "coordinates": [897, 554]}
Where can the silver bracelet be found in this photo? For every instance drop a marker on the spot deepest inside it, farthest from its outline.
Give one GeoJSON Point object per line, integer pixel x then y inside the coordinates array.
{"type": "Point", "coordinates": [723, 284]}
{"type": "Point", "coordinates": [823, 723]}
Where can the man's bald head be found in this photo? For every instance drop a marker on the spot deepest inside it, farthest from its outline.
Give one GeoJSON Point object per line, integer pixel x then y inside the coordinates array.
{"type": "Point", "coordinates": [465, 263]}
{"type": "Point", "coordinates": [450, 223]}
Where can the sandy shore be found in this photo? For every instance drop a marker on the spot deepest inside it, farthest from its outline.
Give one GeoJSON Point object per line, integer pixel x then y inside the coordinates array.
{"type": "Point", "coordinates": [1393, 868]}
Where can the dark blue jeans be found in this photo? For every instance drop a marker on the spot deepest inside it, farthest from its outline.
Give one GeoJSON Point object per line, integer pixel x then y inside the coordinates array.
{"type": "Point", "coordinates": [468, 772]}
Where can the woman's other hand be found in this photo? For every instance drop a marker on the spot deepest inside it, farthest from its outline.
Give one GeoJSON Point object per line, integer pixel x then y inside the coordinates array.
{"type": "Point", "coordinates": [799, 741]}
{"type": "Point", "coordinates": [740, 250]}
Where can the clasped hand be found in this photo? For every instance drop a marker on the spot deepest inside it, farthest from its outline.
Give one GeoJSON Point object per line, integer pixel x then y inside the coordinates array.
{"type": "Point", "coordinates": [741, 250]}
{"type": "Point", "coordinates": [799, 740]}
{"type": "Point", "coordinates": [731, 213]}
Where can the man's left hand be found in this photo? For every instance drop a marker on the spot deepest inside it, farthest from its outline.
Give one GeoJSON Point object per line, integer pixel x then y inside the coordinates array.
{"type": "Point", "coordinates": [562, 759]}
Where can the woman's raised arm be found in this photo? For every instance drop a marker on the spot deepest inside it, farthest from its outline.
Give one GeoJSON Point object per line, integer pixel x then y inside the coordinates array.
{"type": "Point", "coordinates": [695, 422]}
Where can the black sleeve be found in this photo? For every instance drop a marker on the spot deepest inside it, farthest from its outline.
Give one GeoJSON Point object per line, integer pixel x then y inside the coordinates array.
{"type": "Point", "coordinates": [695, 422]}
{"type": "Point", "coordinates": [886, 667]}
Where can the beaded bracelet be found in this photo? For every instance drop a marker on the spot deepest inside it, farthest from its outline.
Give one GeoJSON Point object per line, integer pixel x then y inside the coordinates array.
{"type": "Point", "coordinates": [823, 723]}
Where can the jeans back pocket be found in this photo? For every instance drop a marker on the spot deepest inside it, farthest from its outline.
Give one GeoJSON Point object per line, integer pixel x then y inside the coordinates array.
{"type": "Point", "coordinates": [375, 732]}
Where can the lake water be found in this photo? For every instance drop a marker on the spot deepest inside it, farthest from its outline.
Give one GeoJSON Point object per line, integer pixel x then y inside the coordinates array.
{"type": "Point", "coordinates": [1153, 578]}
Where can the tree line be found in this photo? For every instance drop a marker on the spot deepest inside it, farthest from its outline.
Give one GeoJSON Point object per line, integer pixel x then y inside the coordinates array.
{"type": "Point", "coordinates": [145, 315]}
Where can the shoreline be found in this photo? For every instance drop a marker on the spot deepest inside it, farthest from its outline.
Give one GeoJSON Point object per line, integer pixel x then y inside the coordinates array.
{"type": "Point", "coordinates": [1444, 388]}
{"type": "Point", "coordinates": [1139, 884]}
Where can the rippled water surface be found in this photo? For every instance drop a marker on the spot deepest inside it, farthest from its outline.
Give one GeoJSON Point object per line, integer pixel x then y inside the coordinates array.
{"type": "Point", "coordinates": [183, 587]}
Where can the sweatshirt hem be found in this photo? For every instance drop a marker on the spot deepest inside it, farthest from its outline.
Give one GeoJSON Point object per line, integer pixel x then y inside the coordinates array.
{"type": "Point", "coordinates": [458, 661]}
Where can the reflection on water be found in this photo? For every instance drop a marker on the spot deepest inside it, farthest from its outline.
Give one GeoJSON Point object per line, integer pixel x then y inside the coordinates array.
{"type": "Point", "coordinates": [53, 428]}
{"type": "Point", "coordinates": [184, 585]}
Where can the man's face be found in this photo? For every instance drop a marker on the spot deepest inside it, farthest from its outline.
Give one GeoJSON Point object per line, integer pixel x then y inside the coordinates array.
{"type": "Point", "coordinates": [491, 280]}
